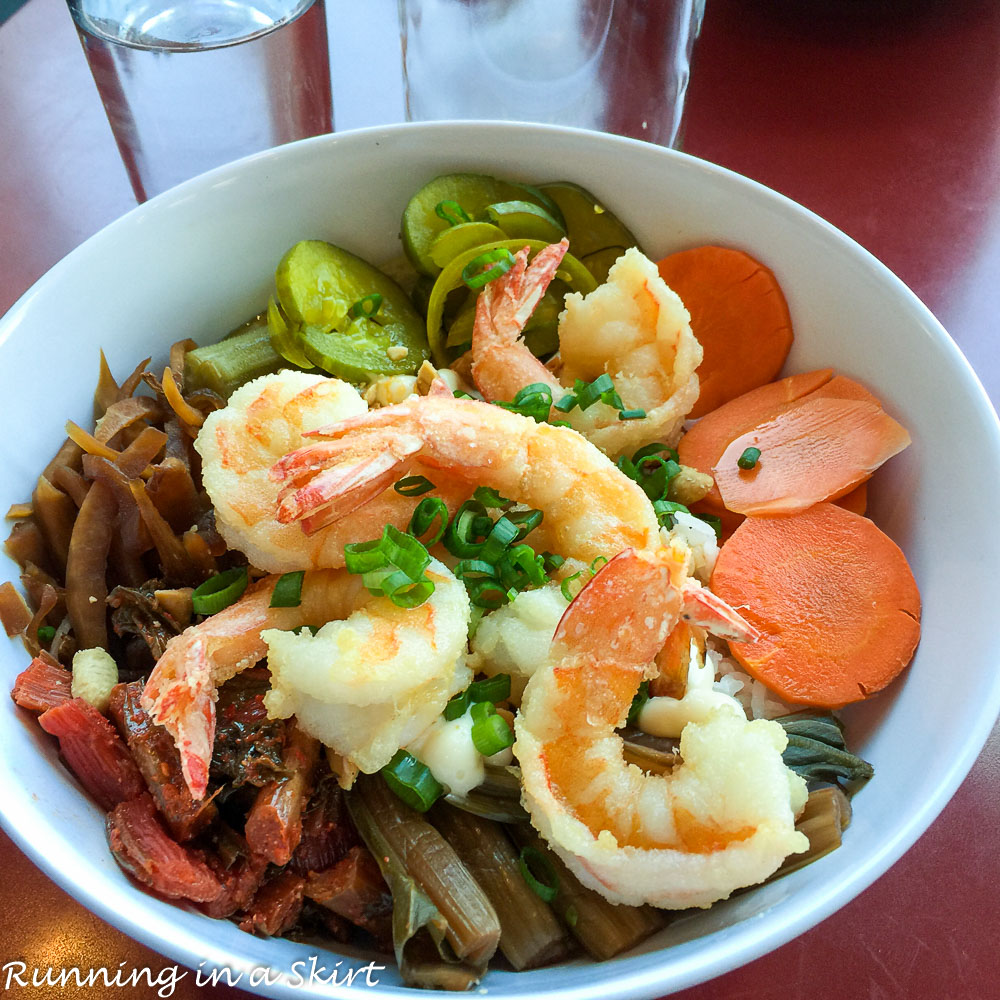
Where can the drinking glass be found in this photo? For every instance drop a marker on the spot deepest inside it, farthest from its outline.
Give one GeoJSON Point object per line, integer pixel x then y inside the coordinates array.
{"type": "Point", "coordinates": [191, 84]}
{"type": "Point", "coordinates": [611, 65]}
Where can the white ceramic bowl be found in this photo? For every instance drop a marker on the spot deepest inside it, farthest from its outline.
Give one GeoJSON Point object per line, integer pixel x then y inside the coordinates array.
{"type": "Point", "coordinates": [199, 259]}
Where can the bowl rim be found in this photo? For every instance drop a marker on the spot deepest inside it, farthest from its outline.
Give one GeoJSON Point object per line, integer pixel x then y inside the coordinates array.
{"type": "Point", "coordinates": [719, 951]}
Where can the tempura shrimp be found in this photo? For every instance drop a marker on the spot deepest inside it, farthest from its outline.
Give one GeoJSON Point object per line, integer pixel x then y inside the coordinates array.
{"type": "Point", "coordinates": [263, 420]}
{"type": "Point", "coordinates": [422, 650]}
{"type": "Point", "coordinates": [724, 818]}
{"type": "Point", "coordinates": [632, 328]}
{"type": "Point", "coordinates": [590, 507]}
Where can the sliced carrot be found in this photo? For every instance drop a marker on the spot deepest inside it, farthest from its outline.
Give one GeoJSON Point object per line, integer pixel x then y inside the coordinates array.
{"type": "Point", "coordinates": [739, 315]}
{"type": "Point", "coordinates": [856, 501]}
{"type": "Point", "coordinates": [819, 449]}
{"type": "Point", "coordinates": [702, 446]}
{"type": "Point", "coordinates": [833, 597]}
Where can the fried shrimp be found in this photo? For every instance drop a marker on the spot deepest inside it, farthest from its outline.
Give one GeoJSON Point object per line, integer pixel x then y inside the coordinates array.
{"type": "Point", "coordinates": [633, 328]}
{"type": "Point", "coordinates": [265, 419]}
{"type": "Point", "coordinates": [590, 507]}
{"type": "Point", "coordinates": [724, 818]}
{"type": "Point", "coordinates": [422, 650]}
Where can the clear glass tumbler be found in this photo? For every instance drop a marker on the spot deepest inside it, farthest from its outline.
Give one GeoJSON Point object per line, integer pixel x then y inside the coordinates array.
{"type": "Point", "coordinates": [191, 84]}
{"type": "Point", "coordinates": [617, 66]}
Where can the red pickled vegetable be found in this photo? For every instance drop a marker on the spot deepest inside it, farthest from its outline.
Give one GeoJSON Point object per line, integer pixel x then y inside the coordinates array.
{"type": "Point", "coordinates": [144, 849]}
{"type": "Point", "coordinates": [276, 906]}
{"type": "Point", "coordinates": [42, 685]}
{"type": "Point", "coordinates": [94, 752]}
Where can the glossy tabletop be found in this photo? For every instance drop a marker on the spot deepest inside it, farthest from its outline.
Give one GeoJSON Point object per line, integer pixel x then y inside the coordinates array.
{"type": "Point", "coordinates": [883, 118]}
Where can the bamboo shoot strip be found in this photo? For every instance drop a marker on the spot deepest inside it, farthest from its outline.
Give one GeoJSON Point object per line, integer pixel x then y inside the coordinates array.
{"type": "Point", "coordinates": [826, 815]}
{"type": "Point", "coordinates": [530, 935]}
{"type": "Point", "coordinates": [430, 885]}
{"type": "Point", "coordinates": [604, 929]}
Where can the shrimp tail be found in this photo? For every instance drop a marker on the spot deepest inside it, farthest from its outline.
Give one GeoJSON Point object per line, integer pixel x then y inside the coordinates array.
{"type": "Point", "coordinates": [186, 709]}
{"type": "Point", "coordinates": [501, 362]}
{"type": "Point", "coordinates": [331, 479]}
{"type": "Point", "coordinates": [702, 607]}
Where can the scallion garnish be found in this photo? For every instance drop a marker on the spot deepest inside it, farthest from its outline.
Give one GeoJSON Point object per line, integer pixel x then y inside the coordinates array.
{"type": "Point", "coordinates": [489, 497]}
{"type": "Point", "coordinates": [502, 534]}
{"type": "Point", "coordinates": [412, 781]}
{"type": "Point", "coordinates": [451, 212]}
{"type": "Point", "coordinates": [219, 591]}
{"type": "Point", "coordinates": [544, 884]}
{"type": "Point", "coordinates": [468, 530]}
{"type": "Point", "coordinates": [287, 591]}
{"type": "Point", "coordinates": [413, 486]}
{"type": "Point", "coordinates": [533, 401]}
{"type": "Point", "coordinates": [366, 307]}
{"type": "Point", "coordinates": [567, 592]}
{"type": "Point", "coordinates": [749, 458]}
{"type": "Point", "coordinates": [490, 732]}
{"type": "Point", "coordinates": [638, 702]}
{"type": "Point", "coordinates": [393, 566]}
{"type": "Point", "coordinates": [492, 689]}
{"type": "Point", "coordinates": [601, 390]}
{"type": "Point", "coordinates": [487, 267]}
{"type": "Point", "coordinates": [429, 510]}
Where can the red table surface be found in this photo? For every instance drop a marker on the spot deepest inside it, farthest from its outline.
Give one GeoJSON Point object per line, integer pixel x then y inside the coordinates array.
{"type": "Point", "coordinates": [883, 118]}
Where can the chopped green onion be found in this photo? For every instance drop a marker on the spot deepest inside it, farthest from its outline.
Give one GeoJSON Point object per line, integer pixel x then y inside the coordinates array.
{"type": "Point", "coordinates": [487, 267]}
{"type": "Point", "coordinates": [526, 520]}
{"type": "Point", "coordinates": [636, 414]}
{"type": "Point", "coordinates": [665, 510]}
{"type": "Point", "coordinates": [451, 212]}
{"type": "Point", "coordinates": [413, 486]}
{"type": "Point", "coordinates": [504, 532]}
{"type": "Point", "coordinates": [490, 732]}
{"type": "Point", "coordinates": [533, 401]}
{"type": "Point", "coordinates": [588, 393]}
{"type": "Point", "coordinates": [494, 689]}
{"type": "Point", "coordinates": [749, 458]}
{"type": "Point", "coordinates": [489, 497]}
{"type": "Point", "coordinates": [457, 706]}
{"type": "Point", "coordinates": [486, 593]}
{"type": "Point", "coordinates": [565, 586]}
{"type": "Point", "coordinates": [552, 561]}
{"type": "Point", "coordinates": [287, 591]}
{"type": "Point", "coordinates": [426, 513]}
{"type": "Point", "coordinates": [367, 307]}
{"type": "Point", "coordinates": [603, 560]}
{"type": "Point", "coordinates": [474, 567]}
{"type": "Point", "coordinates": [311, 629]}
{"type": "Point", "coordinates": [219, 591]}
{"type": "Point", "coordinates": [654, 449]}
{"type": "Point", "coordinates": [46, 633]}
{"type": "Point", "coordinates": [566, 403]}
{"type": "Point", "coordinates": [412, 781]}
{"type": "Point", "coordinates": [545, 887]}
{"type": "Point", "coordinates": [468, 530]}
{"type": "Point", "coordinates": [393, 566]}
{"type": "Point", "coordinates": [638, 702]}
{"type": "Point", "coordinates": [522, 562]}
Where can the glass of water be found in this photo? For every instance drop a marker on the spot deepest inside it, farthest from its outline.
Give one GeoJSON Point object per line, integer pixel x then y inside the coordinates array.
{"type": "Point", "coordinates": [191, 84]}
{"type": "Point", "coordinates": [617, 66]}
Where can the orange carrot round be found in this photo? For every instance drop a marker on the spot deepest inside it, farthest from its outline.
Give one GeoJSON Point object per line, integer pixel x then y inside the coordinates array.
{"type": "Point", "coordinates": [739, 315]}
{"type": "Point", "coordinates": [818, 449]}
{"type": "Point", "coordinates": [702, 446]}
{"type": "Point", "coordinates": [833, 597]}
